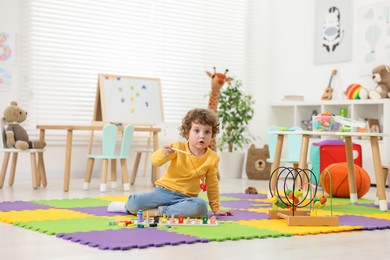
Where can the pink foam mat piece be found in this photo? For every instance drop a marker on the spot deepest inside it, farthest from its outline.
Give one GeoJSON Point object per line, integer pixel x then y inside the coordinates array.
{"type": "Point", "coordinates": [125, 239]}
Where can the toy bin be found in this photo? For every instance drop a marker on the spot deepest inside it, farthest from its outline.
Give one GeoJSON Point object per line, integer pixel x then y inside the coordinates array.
{"type": "Point", "coordinates": [325, 123]}
{"type": "Point", "coordinates": [327, 152]}
{"type": "Point", "coordinates": [335, 124]}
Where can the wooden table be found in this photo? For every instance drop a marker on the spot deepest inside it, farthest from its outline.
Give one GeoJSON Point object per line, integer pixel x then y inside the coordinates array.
{"type": "Point", "coordinates": [69, 138]}
{"type": "Point", "coordinates": [381, 193]}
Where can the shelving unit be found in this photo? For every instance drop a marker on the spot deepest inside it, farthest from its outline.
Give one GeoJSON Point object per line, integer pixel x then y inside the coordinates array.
{"type": "Point", "coordinates": [294, 113]}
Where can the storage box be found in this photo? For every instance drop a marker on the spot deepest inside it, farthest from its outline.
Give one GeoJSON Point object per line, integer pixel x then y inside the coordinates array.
{"type": "Point", "coordinates": [326, 124]}
{"type": "Point", "coordinates": [335, 124]}
{"type": "Point", "coordinates": [324, 153]}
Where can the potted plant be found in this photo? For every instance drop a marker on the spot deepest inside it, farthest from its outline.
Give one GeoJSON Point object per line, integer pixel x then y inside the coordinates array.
{"type": "Point", "coordinates": [235, 111]}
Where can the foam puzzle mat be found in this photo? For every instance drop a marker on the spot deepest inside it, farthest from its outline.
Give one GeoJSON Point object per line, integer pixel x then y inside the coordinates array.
{"type": "Point", "coordinates": [86, 221]}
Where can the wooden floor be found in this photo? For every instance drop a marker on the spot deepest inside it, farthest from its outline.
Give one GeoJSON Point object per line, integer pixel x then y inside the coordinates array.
{"type": "Point", "coordinates": [19, 243]}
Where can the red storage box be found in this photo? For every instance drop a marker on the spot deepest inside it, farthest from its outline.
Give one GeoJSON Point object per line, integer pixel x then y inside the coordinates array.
{"type": "Point", "coordinates": [324, 153]}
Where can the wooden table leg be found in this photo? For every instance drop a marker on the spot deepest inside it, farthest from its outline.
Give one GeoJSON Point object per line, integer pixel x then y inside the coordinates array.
{"type": "Point", "coordinates": [276, 163]}
{"type": "Point", "coordinates": [380, 184]}
{"type": "Point", "coordinates": [351, 169]}
{"type": "Point", "coordinates": [68, 158]}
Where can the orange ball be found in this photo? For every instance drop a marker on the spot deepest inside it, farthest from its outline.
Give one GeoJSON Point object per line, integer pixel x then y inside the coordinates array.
{"type": "Point", "coordinates": [340, 185]}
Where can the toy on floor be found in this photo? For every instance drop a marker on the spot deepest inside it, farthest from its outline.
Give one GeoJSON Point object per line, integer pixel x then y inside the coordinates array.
{"type": "Point", "coordinates": [251, 190]}
{"type": "Point", "coordinates": [302, 194]}
{"type": "Point", "coordinates": [158, 221]}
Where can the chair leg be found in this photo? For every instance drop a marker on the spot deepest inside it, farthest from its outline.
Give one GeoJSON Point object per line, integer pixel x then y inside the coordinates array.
{"type": "Point", "coordinates": [4, 168]}
{"type": "Point", "coordinates": [125, 175]}
{"type": "Point", "coordinates": [13, 169]}
{"type": "Point", "coordinates": [42, 170]}
{"type": "Point", "coordinates": [33, 158]}
{"type": "Point", "coordinates": [113, 174]}
{"type": "Point", "coordinates": [88, 173]}
{"type": "Point", "coordinates": [103, 183]}
{"type": "Point", "coordinates": [385, 172]}
{"type": "Point", "coordinates": [135, 168]}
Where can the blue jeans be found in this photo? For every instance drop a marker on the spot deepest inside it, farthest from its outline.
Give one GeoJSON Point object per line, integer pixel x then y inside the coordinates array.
{"type": "Point", "coordinates": [167, 202]}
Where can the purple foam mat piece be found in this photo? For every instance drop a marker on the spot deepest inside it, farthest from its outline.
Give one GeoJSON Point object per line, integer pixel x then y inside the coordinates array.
{"type": "Point", "coordinates": [244, 204]}
{"type": "Point", "coordinates": [125, 239]}
{"type": "Point", "coordinates": [245, 195]}
{"type": "Point", "coordinates": [21, 205]}
{"type": "Point", "coordinates": [243, 215]}
{"type": "Point", "coordinates": [99, 211]}
{"type": "Point", "coordinates": [367, 223]}
{"type": "Point", "coordinates": [372, 205]}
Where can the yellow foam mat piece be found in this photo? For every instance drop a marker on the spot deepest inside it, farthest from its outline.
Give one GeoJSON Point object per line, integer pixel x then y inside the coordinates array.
{"type": "Point", "coordinates": [281, 226]}
{"type": "Point", "coordinates": [114, 198]}
{"type": "Point", "coordinates": [39, 214]}
{"type": "Point", "coordinates": [378, 216]}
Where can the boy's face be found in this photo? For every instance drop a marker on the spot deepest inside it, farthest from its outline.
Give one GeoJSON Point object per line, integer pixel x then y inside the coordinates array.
{"type": "Point", "coordinates": [199, 136]}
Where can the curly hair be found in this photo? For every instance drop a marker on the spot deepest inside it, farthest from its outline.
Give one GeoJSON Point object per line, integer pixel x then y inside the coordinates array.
{"type": "Point", "coordinates": [199, 116]}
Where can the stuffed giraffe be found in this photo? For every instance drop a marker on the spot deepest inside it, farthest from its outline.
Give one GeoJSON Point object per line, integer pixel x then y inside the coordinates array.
{"type": "Point", "coordinates": [217, 82]}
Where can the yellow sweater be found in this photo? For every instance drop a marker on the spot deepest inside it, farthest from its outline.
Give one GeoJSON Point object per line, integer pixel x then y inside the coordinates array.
{"type": "Point", "coordinates": [181, 176]}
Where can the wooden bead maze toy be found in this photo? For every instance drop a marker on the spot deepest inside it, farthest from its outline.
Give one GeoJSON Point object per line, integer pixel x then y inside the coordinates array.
{"type": "Point", "coordinates": [287, 202]}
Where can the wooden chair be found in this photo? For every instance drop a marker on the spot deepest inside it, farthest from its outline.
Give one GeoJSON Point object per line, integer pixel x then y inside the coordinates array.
{"type": "Point", "coordinates": [385, 171]}
{"type": "Point", "coordinates": [109, 141]}
{"type": "Point", "coordinates": [37, 166]}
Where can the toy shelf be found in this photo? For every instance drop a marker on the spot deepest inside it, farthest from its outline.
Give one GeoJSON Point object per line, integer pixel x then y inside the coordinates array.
{"type": "Point", "coordinates": [299, 113]}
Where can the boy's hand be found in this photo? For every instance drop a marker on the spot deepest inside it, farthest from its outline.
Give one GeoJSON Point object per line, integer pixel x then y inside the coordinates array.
{"type": "Point", "coordinates": [167, 150]}
{"type": "Point", "coordinates": [223, 212]}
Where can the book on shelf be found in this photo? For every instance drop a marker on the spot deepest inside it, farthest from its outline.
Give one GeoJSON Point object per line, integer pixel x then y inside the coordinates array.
{"type": "Point", "coordinates": [292, 98]}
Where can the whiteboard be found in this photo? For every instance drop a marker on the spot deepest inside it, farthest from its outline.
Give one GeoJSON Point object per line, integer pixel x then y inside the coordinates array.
{"type": "Point", "coordinates": [125, 99]}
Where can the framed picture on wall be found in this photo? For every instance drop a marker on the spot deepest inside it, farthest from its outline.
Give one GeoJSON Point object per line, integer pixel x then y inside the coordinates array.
{"type": "Point", "coordinates": [333, 31]}
{"type": "Point", "coordinates": [373, 36]}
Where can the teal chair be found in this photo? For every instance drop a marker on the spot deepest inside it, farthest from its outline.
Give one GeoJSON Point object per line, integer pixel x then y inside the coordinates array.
{"type": "Point", "coordinates": [109, 154]}
{"type": "Point", "coordinates": [293, 146]}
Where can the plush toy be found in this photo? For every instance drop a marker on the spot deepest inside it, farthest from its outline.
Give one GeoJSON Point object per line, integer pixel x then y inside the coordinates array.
{"type": "Point", "coordinates": [257, 167]}
{"type": "Point", "coordinates": [381, 75]}
{"type": "Point", "coordinates": [16, 135]}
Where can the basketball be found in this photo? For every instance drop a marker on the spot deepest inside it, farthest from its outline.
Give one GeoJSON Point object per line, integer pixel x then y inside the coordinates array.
{"type": "Point", "coordinates": [339, 175]}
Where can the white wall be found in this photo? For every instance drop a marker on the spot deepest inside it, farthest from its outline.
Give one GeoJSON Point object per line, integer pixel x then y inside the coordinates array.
{"type": "Point", "coordinates": [293, 71]}
{"type": "Point", "coordinates": [283, 63]}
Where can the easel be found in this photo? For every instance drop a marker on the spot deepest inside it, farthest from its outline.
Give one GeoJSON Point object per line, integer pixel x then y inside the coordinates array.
{"type": "Point", "coordinates": [118, 101]}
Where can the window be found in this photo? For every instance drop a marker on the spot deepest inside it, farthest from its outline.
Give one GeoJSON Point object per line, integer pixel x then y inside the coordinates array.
{"type": "Point", "coordinates": [66, 44]}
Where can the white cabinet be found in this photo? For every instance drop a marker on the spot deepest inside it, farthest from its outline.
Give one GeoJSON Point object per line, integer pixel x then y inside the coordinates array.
{"type": "Point", "coordinates": [294, 113]}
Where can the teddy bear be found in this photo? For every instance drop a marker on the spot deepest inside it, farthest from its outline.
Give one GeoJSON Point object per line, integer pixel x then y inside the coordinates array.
{"type": "Point", "coordinates": [16, 135]}
{"type": "Point", "coordinates": [257, 167]}
{"type": "Point", "coordinates": [381, 75]}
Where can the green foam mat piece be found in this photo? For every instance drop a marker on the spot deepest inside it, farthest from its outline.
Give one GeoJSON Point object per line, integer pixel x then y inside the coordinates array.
{"type": "Point", "coordinates": [53, 227]}
{"type": "Point", "coordinates": [356, 209]}
{"type": "Point", "coordinates": [74, 203]}
{"type": "Point", "coordinates": [227, 231]}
